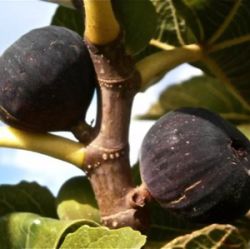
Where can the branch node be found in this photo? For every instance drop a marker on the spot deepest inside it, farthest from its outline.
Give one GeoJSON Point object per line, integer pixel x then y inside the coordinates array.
{"type": "Point", "coordinates": [114, 68]}
{"type": "Point", "coordinates": [97, 155]}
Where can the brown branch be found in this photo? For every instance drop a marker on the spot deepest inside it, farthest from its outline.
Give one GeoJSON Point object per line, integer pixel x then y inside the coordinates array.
{"type": "Point", "coordinates": [108, 154]}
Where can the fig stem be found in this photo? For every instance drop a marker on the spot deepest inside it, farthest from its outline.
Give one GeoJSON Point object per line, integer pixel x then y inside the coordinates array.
{"type": "Point", "coordinates": [44, 143]}
{"type": "Point", "coordinates": [163, 61]}
{"type": "Point", "coordinates": [101, 26]}
{"type": "Point", "coordinates": [107, 156]}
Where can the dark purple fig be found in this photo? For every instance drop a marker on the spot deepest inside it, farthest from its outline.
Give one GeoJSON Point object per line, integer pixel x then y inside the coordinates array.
{"type": "Point", "coordinates": [196, 164]}
{"type": "Point", "coordinates": [46, 80]}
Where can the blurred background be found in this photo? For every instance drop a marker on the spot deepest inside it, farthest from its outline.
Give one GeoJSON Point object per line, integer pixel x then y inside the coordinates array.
{"type": "Point", "coordinates": [18, 17]}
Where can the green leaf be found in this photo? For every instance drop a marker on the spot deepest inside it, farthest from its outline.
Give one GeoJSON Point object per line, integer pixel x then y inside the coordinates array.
{"type": "Point", "coordinates": [185, 21]}
{"type": "Point", "coordinates": [243, 224]}
{"type": "Point", "coordinates": [245, 129]}
{"type": "Point", "coordinates": [138, 19]}
{"type": "Point", "coordinates": [212, 20]}
{"type": "Point", "coordinates": [213, 236]}
{"type": "Point", "coordinates": [201, 91]}
{"type": "Point", "coordinates": [222, 30]}
{"type": "Point", "coordinates": [166, 28]}
{"type": "Point", "coordinates": [101, 237]}
{"type": "Point", "coordinates": [226, 38]}
{"type": "Point", "coordinates": [154, 245]}
{"type": "Point", "coordinates": [165, 226]}
{"type": "Point", "coordinates": [69, 18]}
{"type": "Point", "coordinates": [27, 197]}
{"type": "Point", "coordinates": [76, 200]}
{"type": "Point", "coordinates": [136, 174]}
{"type": "Point", "coordinates": [170, 27]}
{"type": "Point", "coordinates": [27, 230]}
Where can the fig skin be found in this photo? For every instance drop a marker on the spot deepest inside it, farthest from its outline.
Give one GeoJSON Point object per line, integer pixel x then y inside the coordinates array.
{"type": "Point", "coordinates": [196, 165]}
{"type": "Point", "coordinates": [47, 80]}
{"type": "Point", "coordinates": [76, 200]}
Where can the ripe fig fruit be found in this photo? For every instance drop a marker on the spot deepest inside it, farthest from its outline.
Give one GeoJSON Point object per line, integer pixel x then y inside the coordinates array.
{"type": "Point", "coordinates": [76, 200]}
{"type": "Point", "coordinates": [197, 165]}
{"type": "Point", "coordinates": [46, 80]}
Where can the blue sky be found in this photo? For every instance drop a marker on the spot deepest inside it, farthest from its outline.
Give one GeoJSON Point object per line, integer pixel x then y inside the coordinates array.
{"type": "Point", "coordinates": [20, 16]}
{"type": "Point", "coordinates": [17, 17]}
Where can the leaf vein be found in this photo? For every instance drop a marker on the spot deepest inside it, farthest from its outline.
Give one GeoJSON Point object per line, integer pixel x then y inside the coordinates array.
{"type": "Point", "coordinates": [217, 34]}
{"type": "Point", "coordinates": [221, 75]}
{"type": "Point", "coordinates": [220, 96]}
{"type": "Point", "coordinates": [176, 24]}
{"type": "Point", "coordinates": [229, 43]}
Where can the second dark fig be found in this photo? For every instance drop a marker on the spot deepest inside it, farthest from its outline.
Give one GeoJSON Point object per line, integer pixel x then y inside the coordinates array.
{"type": "Point", "coordinates": [46, 80]}
{"type": "Point", "coordinates": [197, 165]}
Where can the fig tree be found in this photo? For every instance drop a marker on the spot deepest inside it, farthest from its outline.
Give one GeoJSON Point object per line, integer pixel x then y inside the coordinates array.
{"type": "Point", "coordinates": [197, 165]}
{"type": "Point", "coordinates": [46, 80]}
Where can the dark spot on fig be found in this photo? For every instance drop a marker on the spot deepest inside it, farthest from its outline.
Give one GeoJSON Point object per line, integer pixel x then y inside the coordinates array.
{"type": "Point", "coordinates": [46, 80]}
{"type": "Point", "coordinates": [238, 148]}
{"type": "Point", "coordinates": [205, 179]}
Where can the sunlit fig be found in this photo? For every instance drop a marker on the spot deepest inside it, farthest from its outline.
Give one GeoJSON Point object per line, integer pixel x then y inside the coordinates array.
{"type": "Point", "coordinates": [46, 80]}
{"type": "Point", "coordinates": [197, 165]}
{"type": "Point", "coordinates": [76, 200]}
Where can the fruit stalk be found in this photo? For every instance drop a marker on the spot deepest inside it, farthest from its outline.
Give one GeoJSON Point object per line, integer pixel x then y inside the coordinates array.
{"type": "Point", "coordinates": [161, 62]}
{"type": "Point", "coordinates": [47, 144]}
{"type": "Point", "coordinates": [101, 26]}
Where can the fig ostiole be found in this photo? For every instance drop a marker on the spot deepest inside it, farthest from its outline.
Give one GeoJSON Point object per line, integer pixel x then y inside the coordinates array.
{"type": "Point", "coordinates": [47, 80]}
{"type": "Point", "coordinates": [197, 165]}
